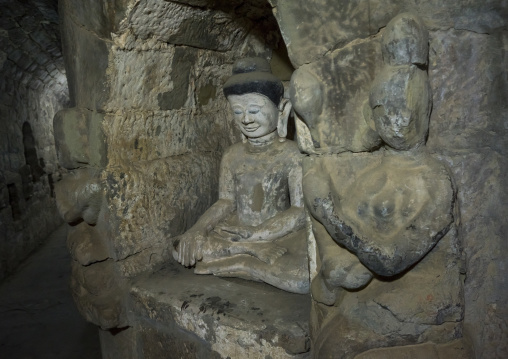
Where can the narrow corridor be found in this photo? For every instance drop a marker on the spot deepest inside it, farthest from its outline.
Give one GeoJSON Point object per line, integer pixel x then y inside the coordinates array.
{"type": "Point", "coordinates": [38, 318]}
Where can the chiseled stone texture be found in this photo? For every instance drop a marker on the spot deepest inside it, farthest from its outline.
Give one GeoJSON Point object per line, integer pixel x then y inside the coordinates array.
{"type": "Point", "coordinates": [137, 82]}
{"type": "Point", "coordinates": [150, 119]}
{"type": "Point", "coordinates": [33, 88]}
{"type": "Point", "coordinates": [333, 24]}
{"type": "Point", "coordinates": [467, 129]}
{"type": "Point", "coordinates": [220, 318]}
{"type": "Point", "coordinates": [345, 76]}
{"type": "Point", "coordinates": [467, 72]}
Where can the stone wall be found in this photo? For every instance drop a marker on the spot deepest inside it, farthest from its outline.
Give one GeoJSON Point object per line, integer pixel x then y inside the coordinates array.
{"type": "Point", "coordinates": [468, 126]}
{"type": "Point", "coordinates": [33, 88]}
{"type": "Point", "coordinates": [149, 124]}
{"type": "Point", "coordinates": [145, 81]}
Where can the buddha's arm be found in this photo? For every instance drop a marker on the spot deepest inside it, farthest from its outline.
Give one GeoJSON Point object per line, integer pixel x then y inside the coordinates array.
{"type": "Point", "coordinates": [386, 257]}
{"type": "Point", "coordinates": [188, 246]}
{"type": "Point", "coordinates": [213, 215]}
{"type": "Point", "coordinates": [226, 203]}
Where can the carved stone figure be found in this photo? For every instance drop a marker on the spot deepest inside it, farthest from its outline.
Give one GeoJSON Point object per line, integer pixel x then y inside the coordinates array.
{"type": "Point", "coordinates": [256, 228]}
{"type": "Point", "coordinates": [388, 257]}
{"type": "Point", "coordinates": [96, 288]}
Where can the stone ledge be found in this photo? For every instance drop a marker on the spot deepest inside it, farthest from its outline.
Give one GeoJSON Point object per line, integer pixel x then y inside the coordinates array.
{"type": "Point", "coordinates": [237, 318]}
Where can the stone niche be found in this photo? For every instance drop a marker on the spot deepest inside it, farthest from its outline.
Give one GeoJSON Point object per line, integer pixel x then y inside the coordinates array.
{"type": "Point", "coordinates": [149, 124]}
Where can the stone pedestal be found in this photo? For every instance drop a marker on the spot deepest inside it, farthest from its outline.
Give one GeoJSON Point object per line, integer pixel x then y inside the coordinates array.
{"type": "Point", "coordinates": [178, 314]}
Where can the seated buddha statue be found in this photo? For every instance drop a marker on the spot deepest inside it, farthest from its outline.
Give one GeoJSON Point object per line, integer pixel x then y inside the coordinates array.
{"type": "Point", "coordinates": [256, 229]}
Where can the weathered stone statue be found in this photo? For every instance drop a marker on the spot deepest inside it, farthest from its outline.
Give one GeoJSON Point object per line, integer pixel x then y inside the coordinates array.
{"type": "Point", "coordinates": [388, 256]}
{"type": "Point", "coordinates": [256, 228]}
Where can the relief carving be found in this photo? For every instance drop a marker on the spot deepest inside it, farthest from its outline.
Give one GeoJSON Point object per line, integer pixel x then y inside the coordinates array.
{"type": "Point", "coordinates": [388, 257]}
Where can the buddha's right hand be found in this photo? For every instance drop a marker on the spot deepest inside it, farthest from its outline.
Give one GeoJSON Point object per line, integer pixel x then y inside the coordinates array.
{"type": "Point", "coordinates": [188, 248]}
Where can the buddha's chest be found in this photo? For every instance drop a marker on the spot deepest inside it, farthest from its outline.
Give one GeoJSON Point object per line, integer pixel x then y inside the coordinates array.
{"type": "Point", "coordinates": [262, 190]}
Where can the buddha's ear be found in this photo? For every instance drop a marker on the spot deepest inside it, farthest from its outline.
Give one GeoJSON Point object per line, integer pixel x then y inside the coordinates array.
{"type": "Point", "coordinates": [285, 107]}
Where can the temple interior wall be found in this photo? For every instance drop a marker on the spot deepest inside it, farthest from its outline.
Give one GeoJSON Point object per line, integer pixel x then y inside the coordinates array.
{"type": "Point", "coordinates": [147, 78]}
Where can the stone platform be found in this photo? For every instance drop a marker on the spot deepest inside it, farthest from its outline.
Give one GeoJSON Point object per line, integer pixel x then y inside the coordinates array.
{"type": "Point", "coordinates": [182, 315]}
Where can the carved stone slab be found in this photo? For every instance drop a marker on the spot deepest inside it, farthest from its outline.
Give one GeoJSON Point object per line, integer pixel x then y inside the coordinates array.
{"type": "Point", "coordinates": [209, 317]}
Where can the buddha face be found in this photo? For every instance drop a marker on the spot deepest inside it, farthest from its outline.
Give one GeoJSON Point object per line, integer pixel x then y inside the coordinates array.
{"type": "Point", "coordinates": [255, 114]}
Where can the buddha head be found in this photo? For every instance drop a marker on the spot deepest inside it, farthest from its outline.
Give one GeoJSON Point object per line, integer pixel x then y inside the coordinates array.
{"type": "Point", "coordinates": [255, 96]}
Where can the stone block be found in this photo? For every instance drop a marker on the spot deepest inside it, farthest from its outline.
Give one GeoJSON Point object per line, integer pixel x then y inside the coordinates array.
{"type": "Point", "coordinates": [79, 138]}
{"type": "Point", "coordinates": [24, 62]}
{"type": "Point", "coordinates": [7, 23]}
{"type": "Point", "coordinates": [219, 318]}
{"type": "Point", "coordinates": [179, 24]}
{"type": "Point", "coordinates": [161, 83]}
{"type": "Point", "coordinates": [466, 116]}
{"type": "Point", "coordinates": [337, 23]}
{"type": "Point", "coordinates": [94, 16]}
{"type": "Point", "coordinates": [16, 55]}
{"type": "Point", "coordinates": [160, 343]}
{"type": "Point", "coordinates": [28, 23]}
{"type": "Point", "coordinates": [151, 135]}
{"type": "Point", "coordinates": [153, 201]}
{"type": "Point", "coordinates": [118, 343]}
{"type": "Point", "coordinates": [86, 60]}
{"type": "Point", "coordinates": [42, 59]}
{"type": "Point", "coordinates": [31, 47]}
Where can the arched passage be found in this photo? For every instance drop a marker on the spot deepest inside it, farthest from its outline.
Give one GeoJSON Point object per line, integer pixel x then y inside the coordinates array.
{"type": "Point", "coordinates": [33, 88]}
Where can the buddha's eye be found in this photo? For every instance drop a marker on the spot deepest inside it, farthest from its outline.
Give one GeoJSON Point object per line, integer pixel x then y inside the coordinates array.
{"type": "Point", "coordinates": [253, 110]}
{"type": "Point", "coordinates": [238, 111]}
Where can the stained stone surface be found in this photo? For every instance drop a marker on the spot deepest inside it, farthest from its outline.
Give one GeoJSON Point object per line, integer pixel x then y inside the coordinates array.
{"type": "Point", "coordinates": [235, 318]}
{"type": "Point", "coordinates": [162, 166]}
{"type": "Point", "coordinates": [467, 127]}
{"type": "Point", "coordinates": [344, 77]}
{"type": "Point", "coordinates": [79, 138]}
{"type": "Point", "coordinates": [335, 24]}
{"type": "Point", "coordinates": [144, 139]}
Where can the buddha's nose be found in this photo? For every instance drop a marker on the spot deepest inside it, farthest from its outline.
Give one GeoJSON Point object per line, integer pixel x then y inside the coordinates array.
{"type": "Point", "coordinates": [246, 119]}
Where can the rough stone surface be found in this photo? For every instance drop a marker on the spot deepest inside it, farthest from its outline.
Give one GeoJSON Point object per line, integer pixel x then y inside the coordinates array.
{"type": "Point", "coordinates": [140, 86]}
{"type": "Point", "coordinates": [467, 129]}
{"type": "Point", "coordinates": [148, 126]}
{"type": "Point", "coordinates": [86, 67]}
{"type": "Point", "coordinates": [343, 78]}
{"type": "Point", "coordinates": [237, 319]}
{"type": "Point", "coordinates": [334, 24]}
{"type": "Point", "coordinates": [79, 138]}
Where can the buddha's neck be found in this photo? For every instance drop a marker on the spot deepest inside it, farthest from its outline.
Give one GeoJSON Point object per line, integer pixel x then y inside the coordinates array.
{"type": "Point", "coordinates": [263, 141]}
